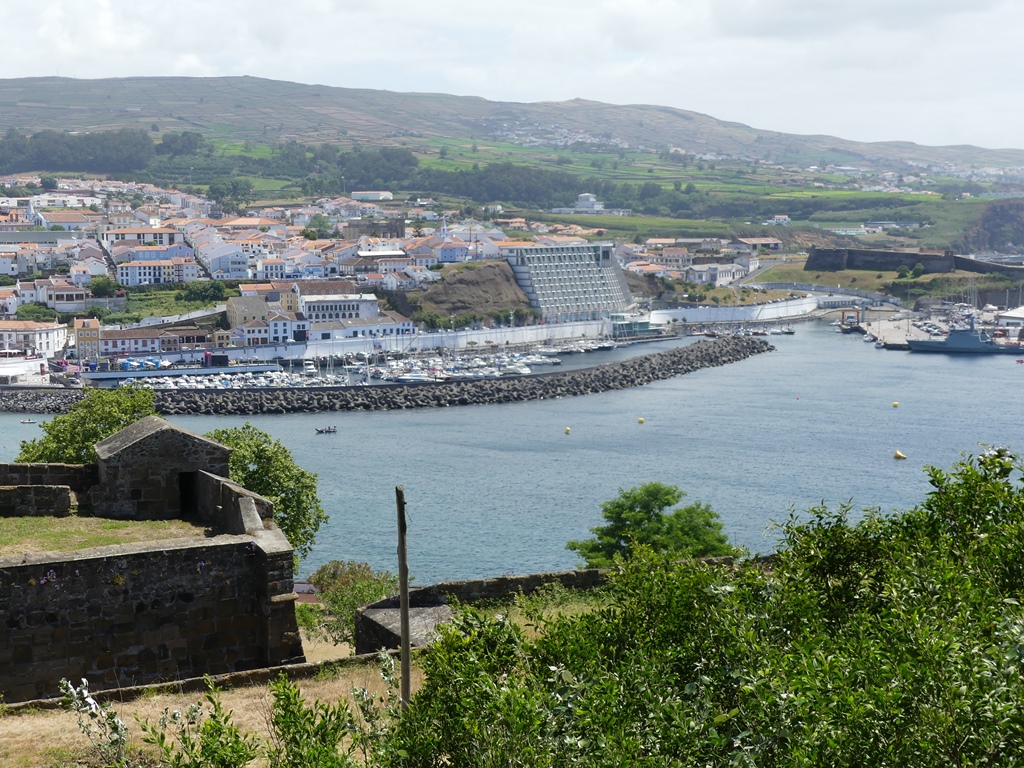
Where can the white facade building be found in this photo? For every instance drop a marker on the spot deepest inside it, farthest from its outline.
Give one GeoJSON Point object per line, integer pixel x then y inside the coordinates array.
{"type": "Point", "coordinates": [44, 339]}
{"type": "Point", "coordinates": [569, 282]}
{"type": "Point", "coordinates": [340, 306]}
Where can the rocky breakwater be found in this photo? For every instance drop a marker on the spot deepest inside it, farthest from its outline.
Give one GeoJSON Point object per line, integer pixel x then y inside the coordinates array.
{"type": "Point", "coordinates": [634, 372]}
{"type": "Point", "coordinates": [38, 399]}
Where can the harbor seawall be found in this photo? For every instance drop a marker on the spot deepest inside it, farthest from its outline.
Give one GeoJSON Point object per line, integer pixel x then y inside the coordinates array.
{"type": "Point", "coordinates": [633, 372]}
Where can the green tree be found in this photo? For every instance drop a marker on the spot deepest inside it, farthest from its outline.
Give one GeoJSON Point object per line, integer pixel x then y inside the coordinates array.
{"type": "Point", "coordinates": [70, 437]}
{"type": "Point", "coordinates": [103, 286]}
{"type": "Point", "coordinates": [637, 516]}
{"type": "Point", "coordinates": [343, 586]}
{"type": "Point", "coordinates": [265, 466]}
{"type": "Point", "coordinates": [319, 228]}
{"type": "Point", "coordinates": [204, 291]}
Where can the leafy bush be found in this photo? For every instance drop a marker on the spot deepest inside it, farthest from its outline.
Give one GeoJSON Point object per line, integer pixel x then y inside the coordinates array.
{"type": "Point", "coordinates": [343, 586]}
{"type": "Point", "coordinates": [886, 641]}
{"type": "Point", "coordinates": [201, 738]}
{"type": "Point", "coordinates": [308, 735]}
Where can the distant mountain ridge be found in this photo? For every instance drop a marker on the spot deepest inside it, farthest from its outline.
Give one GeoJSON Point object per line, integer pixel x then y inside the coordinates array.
{"type": "Point", "coordinates": [250, 108]}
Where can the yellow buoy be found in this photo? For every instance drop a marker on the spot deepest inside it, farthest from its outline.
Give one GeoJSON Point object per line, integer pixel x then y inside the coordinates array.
{"type": "Point", "coordinates": [640, 420]}
{"type": "Point", "coordinates": [567, 430]}
{"type": "Point", "coordinates": [895, 404]}
{"type": "Point", "coordinates": [899, 455]}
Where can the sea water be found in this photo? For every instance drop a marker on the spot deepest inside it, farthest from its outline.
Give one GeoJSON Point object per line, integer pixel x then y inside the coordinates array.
{"type": "Point", "coordinates": [499, 489]}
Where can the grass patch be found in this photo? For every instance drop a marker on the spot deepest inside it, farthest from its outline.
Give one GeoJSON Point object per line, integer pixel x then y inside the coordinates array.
{"type": "Point", "coordinates": [861, 279]}
{"type": "Point", "coordinates": [20, 535]}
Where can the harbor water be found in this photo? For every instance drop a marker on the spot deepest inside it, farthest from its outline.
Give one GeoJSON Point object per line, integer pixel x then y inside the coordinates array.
{"type": "Point", "coordinates": [499, 489]}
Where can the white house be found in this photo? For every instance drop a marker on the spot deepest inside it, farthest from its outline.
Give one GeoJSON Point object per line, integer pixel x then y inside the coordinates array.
{"type": "Point", "coordinates": [715, 274]}
{"type": "Point", "coordinates": [45, 339]}
{"type": "Point", "coordinates": [322, 307]}
{"type": "Point", "coordinates": [157, 272]}
{"type": "Point", "coordinates": [287, 326]}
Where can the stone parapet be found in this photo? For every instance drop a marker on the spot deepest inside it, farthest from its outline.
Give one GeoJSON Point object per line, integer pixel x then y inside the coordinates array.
{"type": "Point", "coordinates": [144, 613]}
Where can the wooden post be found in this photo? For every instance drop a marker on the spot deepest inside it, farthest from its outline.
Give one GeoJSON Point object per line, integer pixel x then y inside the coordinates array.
{"type": "Point", "coordinates": [403, 593]}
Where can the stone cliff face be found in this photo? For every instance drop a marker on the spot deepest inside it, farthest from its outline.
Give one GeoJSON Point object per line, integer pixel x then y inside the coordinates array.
{"type": "Point", "coordinates": [477, 288]}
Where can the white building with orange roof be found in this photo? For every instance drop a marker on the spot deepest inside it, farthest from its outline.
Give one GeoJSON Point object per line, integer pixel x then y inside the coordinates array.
{"type": "Point", "coordinates": [63, 220]}
{"type": "Point", "coordinates": [44, 339]}
{"type": "Point", "coordinates": [271, 268]}
{"type": "Point", "coordinates": [58, 293]}
{"type": "Point", "coordinates": [144, 235]}
{"type": "Point", "coordinates": [8, 301]}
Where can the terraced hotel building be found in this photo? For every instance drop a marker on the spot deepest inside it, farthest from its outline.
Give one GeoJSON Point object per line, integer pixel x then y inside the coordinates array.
{"type": "Point", "coordinates": [569, 282]}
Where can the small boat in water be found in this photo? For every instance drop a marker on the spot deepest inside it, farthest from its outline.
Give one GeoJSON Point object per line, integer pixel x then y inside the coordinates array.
{"type": "Point", "coordinates": [28, 421]}
{"type": "Point", "coordinates": [326, 430]}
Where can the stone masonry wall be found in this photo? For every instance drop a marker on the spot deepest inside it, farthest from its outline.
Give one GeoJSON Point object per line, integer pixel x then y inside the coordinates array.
{"type": "Point", "coordinates": [78, 477]}
{"type": "Point", "coordinates": [36, 500]}
{"type": "Point", "coordinates": [378, 624]}
{"type": "Point", "coordinates": [145, 613]}
{"type": "Point", "coordinates": [835, 259]}
{"type": "Point", "coordinates": [148, 612]}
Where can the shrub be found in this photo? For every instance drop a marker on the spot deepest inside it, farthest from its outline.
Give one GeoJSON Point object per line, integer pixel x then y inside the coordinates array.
{"type": "Point", "coordinates": [343, 586]}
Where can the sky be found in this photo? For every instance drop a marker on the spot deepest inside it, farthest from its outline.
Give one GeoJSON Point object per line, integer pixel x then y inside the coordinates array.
{"type": "Point", "coordinates": [933, 72]}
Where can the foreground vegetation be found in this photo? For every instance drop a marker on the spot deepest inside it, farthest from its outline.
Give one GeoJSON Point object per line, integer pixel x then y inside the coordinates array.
{"type": "Point", "coordinates": [889, 641]}
{"type": "Point", "coordinates": [892, 640]}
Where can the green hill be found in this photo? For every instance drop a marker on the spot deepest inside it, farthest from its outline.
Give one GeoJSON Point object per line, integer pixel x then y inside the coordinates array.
{"type": "Point", "coordinates": [249, 108]}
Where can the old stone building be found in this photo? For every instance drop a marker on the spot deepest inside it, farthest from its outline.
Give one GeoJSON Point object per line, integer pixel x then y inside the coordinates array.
{"type": "Point", "coordinates": [151, 611]}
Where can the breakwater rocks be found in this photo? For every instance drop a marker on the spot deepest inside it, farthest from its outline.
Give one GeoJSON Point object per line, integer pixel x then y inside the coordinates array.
{"type": "Point", "coordinates": [38, 399]}
{"type": "Point", "coordinates": [634, 372]}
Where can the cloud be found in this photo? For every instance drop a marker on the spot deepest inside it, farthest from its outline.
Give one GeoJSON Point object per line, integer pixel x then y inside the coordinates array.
{"type": "Point", "coordinates": [932, 71]}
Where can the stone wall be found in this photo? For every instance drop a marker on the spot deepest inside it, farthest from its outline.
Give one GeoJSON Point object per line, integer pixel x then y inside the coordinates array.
{"type": "Point", "coordinates": [378, 624]}
{"type": "Point", "coordinates": [145, 613]}
{"type": "Point", "coordinates": [989, 268]}
{"type": "Point", "coordinates": [836, 259]}
{"type": "Point", "coordinates": [78, 477]}
{"type": "Point", "coordinates": [37, 500]}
